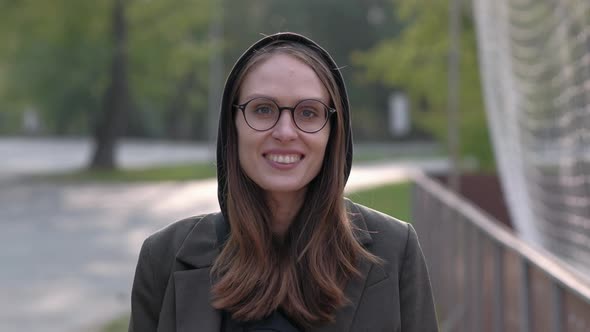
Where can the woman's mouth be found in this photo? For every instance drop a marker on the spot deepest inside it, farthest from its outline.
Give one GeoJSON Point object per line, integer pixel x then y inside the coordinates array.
{"type": "Point", "coordinates": [284, 158]}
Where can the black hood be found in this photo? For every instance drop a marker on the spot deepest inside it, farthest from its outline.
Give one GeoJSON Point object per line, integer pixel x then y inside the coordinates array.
{"type": "Point", "coordinates": [226, 105]}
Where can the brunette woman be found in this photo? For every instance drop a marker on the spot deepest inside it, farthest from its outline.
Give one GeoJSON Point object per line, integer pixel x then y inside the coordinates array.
{"type": "Point", "coordinates": [287, 252]}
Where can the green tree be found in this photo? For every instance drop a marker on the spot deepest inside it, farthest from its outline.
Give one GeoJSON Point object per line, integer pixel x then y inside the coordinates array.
{"type": "Point", "coordinates": [169, 68]}
{"type": "Point", "coordinates": [417, 61]}
{"type": "Point", "coordinates": [97, 66]}
{"type": "Point", "coordinates": [55, 59]}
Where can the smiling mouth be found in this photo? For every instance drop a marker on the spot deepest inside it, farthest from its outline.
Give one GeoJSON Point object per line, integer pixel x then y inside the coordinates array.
{"type": "Point", "coordinates": [284, 158]}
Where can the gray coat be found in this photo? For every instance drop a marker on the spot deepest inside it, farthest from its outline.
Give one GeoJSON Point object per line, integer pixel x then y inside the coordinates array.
{"type": "Point", "coordinates": [171, 290]}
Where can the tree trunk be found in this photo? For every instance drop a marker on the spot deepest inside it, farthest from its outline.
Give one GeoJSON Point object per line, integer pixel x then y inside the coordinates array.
{"type": "Point", "coordinates": [113, 119]}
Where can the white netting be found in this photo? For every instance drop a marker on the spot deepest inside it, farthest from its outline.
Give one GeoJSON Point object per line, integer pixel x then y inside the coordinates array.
{"type": "Point", "coordinates": [535, 64]}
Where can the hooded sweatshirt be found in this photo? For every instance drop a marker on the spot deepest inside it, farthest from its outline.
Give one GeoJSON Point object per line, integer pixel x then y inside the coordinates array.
{"type": "Point", "coordinates": [227, 105]}
{"type": "Point", "coordinates": [277, 321]}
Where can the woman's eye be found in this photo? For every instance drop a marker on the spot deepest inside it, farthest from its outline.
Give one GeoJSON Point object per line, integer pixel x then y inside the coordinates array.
{"type": "Point", "coordinates": [309, 113]}
{"type": "Point", "coordinates": [263, 110]}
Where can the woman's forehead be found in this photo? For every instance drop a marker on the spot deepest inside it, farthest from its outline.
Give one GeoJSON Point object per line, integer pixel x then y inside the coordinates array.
{"type": "Point", "coordinates": [282, 76]}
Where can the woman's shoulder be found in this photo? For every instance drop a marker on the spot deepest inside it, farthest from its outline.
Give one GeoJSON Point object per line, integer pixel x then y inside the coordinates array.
{"type": "Point", "coordinates": [168, 240]}
{"type": "Point", "coordinates": [389, 237]}
{"type": "Point", "coordinates": [377, 221]}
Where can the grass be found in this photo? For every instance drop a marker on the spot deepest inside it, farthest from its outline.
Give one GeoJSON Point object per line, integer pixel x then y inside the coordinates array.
{"type": "Point", "coordinates": [395, 151]}
{"type": "Point", "coordinates": [118, 325]}
{"type": "Point", "coordinates": [371, 156]}
{"type": "Point", "coordinates": [393, 199]}
{"type": "Point", "coordinates": [183, 172]}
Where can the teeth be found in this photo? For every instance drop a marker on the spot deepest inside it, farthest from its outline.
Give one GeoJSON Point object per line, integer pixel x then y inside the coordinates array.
{"type": "Point", "coordinates": [284, 159]}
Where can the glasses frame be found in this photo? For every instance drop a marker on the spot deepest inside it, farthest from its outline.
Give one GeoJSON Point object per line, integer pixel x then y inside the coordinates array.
{"type": "Point", "coordinates": [243, 106]}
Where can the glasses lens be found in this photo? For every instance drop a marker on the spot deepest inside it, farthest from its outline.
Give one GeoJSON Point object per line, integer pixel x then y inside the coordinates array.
{"type": "Point", "coordinates": [310, 115]}
{"type": "Point", "coordinates": [261, 113]}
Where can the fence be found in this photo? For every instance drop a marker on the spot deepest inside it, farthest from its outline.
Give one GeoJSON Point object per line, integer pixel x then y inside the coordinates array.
{"type": "Point", "coordinates": [484, 278]}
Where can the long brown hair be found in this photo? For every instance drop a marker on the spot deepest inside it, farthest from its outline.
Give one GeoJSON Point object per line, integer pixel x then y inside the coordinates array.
{"type": "Point", "coordinates": [304, 274]}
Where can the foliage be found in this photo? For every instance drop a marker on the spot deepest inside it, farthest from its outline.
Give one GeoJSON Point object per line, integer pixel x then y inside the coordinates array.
{"type": "Point", "coordinates": [57, 58]}
{"type": "Point", "coordinates": [170, 42]}
{"type": "Point", "coordinates": [417, 61]}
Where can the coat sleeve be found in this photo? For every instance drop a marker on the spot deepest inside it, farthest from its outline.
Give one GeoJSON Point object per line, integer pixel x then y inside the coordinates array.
{"type": "Point", "coordinates": [416, 300]}
{"type": "Point", "coordinates": [144, 303]}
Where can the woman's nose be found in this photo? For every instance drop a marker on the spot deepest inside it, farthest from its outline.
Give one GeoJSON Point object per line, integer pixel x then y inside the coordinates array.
{"type": "Point", "coordinates": [285, 129]}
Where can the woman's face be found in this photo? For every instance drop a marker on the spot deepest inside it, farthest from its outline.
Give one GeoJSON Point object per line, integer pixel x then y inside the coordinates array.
{"type": "Point", "coordinates": [282, 159]}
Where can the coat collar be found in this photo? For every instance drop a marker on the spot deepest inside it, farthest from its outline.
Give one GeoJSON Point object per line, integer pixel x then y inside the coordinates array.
{"type": "Point", "coordinates": [360, 229]}
{"type": "Point", "coordinates": [192, 282]}
{"type": "Point", "coordinates": [201, 246]}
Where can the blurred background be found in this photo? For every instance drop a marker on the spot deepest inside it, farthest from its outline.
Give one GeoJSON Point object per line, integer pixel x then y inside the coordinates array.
{"type": "Point", "coordinates": [471, 120]}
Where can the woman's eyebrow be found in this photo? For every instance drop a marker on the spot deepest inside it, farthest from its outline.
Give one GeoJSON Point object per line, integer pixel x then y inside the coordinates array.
{"type": "Point", "coordinates": [260, 95]}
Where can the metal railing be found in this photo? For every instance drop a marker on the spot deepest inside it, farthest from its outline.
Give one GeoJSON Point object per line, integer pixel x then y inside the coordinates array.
{"type": "Point", "coordinates": [484, 278]}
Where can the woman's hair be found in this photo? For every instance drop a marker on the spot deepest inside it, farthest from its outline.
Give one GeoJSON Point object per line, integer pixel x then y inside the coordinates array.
{"type": "Point", "coordinates": [304, 273]}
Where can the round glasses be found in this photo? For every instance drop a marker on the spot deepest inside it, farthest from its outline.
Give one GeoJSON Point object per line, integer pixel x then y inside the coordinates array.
{"type": "Point", "coordinates": [309, 115]}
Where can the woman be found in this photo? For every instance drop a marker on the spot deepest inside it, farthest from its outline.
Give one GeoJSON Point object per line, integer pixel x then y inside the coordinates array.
{"type": "Point", "coordinates": [287, 252]}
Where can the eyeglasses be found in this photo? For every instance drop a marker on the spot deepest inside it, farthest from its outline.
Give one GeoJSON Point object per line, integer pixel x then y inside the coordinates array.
{"type": "Point", "coordinates": [309, 115]}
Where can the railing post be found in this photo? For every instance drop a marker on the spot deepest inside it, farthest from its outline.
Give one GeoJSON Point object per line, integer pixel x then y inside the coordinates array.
{"type": "Point", "coordinates": [498, 288]}
{"type": "Point", "coordinates": [525, 302]}
{"type": "Point", "coordinates": [445, 215]}
{"type": "Point", "coordinates": [478, 275]}
{"type": "Point", "coordinates": [467, 253]}
{"type": "Point", "coordinates": [557, 306]}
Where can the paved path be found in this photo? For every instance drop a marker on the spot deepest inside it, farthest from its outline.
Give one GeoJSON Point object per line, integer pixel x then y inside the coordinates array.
{"type": "Point", "coordinates": [25, 156]}
{"type": "Point", "coordinates": [68, 251]}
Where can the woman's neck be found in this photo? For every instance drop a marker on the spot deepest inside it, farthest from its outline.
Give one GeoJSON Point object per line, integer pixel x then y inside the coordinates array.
{"type": "Point", "coordinates": [284, 207]}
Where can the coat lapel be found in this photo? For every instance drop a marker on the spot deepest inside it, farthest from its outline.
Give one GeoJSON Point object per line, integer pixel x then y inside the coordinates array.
{"type": "Point", "coordinates": [354, 289]}
{"type": "Point", "coordinates": [192, 282]}
{"type": "Point", "coordinates": [193, 302]}
{"type": "Point", "coordinates": [345, 315]}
